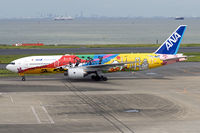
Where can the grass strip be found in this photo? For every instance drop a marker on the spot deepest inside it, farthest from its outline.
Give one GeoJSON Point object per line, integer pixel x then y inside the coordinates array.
{"type": "Point", "coordinates": [193, 57]}
{"type": "Point", "coordinates": [4, 73]}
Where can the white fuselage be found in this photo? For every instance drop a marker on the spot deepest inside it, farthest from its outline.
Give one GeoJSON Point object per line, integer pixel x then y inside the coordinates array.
{"type": "Point", "coordinates": [31, 62]}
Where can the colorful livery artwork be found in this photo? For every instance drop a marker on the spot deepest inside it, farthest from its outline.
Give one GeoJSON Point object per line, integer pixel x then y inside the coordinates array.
{"type": "Point", "coordinates": [80, 66]}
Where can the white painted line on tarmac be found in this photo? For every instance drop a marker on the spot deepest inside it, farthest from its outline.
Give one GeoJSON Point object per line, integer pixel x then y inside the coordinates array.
{"type": "Point", "coordinates": [36, 116]}
{"type": "Point", "coordinates": [131, 77]}
{"type": "Point", "coordinates": [50, 119]}
{"type": "Point", "coordinates": [11, 99]}
{"type": "Point", "coordinates": [151, 73]}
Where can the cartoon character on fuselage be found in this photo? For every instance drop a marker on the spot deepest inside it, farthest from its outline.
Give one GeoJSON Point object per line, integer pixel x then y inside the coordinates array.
{"type": "Point", "coordinates": [80, 66]}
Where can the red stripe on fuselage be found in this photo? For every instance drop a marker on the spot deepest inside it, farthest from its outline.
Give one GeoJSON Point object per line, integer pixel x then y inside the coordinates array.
{"type": "Point", "coordinates": [64, 60]}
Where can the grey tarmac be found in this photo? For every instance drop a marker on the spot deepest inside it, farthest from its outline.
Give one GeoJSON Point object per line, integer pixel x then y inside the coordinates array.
{"type": "Point", "coordinates": [161, 100]}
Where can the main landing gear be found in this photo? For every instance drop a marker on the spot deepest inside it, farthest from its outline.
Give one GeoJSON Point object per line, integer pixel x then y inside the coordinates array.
{"type": "Point", "coordinates": [98, 77]}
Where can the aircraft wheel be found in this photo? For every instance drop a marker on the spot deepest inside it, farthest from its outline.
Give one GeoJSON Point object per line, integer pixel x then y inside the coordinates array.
{"type": "Point", "coordinates": [104, 78]}
{"type": "Point", "coordinates": [23, 78]}
{"type": "Point", "coordinates": [93, 77]}
{"type": "Point", "coordinates": [96, 78]}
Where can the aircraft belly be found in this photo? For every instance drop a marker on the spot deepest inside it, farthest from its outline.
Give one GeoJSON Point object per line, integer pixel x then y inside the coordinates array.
{"type": "Point", "coordinates": [43, 70]}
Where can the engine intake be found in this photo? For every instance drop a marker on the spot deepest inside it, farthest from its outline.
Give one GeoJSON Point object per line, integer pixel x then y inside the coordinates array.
{"type": "Point", "coordinates": [76, 73]}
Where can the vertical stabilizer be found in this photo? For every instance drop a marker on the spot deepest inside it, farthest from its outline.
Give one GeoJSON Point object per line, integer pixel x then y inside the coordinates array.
{"type": "Point", "coordinates": [171, 45]}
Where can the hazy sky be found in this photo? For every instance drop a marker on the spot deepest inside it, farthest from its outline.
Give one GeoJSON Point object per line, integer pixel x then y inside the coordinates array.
{"type": "Point", "coordinates": [110, 8]}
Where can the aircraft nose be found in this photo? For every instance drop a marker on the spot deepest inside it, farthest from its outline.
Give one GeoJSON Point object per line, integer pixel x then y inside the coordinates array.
{"type": "Point", "coordinates": [10, 68]}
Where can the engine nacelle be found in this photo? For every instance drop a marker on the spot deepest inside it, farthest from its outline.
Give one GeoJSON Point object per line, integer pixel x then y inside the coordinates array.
{"type": "Point", "coordinates": [76, 73]}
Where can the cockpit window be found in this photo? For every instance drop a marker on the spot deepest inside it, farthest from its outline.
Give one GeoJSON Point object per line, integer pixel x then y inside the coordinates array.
{"type": "Point", "coordinates": [12, 63]}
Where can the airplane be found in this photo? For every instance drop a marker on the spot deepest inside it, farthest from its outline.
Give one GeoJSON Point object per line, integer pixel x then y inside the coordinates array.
{"type": "Point", "coordinates": [95, 65]}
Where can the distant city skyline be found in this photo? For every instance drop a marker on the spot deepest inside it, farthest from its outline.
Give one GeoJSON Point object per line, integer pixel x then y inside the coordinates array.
{"type": "Point", "coordinates": [96, 8]}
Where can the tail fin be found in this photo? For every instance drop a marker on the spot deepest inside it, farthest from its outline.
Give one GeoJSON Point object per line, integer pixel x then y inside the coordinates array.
{"type": "Point", "coordinates": [171, 45]}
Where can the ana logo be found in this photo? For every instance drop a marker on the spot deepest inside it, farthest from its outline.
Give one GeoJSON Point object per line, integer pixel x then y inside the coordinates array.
{"type": "Point", "coordinates": [173, 39]}
{"type": "Point", "coordinates": [38, 59]}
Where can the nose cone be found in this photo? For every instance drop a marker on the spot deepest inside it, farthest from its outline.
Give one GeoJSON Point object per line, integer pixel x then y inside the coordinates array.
{"type": "Point", "coordinates": [8, 67]}
{"type": "Point", "coordinates": [11, 68]}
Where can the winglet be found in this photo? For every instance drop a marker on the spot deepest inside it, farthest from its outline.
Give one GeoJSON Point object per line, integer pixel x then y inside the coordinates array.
{"type": "Point", "coordinates": [171, 45]}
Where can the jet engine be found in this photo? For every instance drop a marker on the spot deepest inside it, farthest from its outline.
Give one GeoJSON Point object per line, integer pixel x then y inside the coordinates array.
{"type": "Point", "coordinates": [76, 73]}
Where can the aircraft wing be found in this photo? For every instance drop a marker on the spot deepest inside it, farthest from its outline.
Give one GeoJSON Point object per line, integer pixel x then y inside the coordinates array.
{"type": "Point", "coordinates": [105, 66]}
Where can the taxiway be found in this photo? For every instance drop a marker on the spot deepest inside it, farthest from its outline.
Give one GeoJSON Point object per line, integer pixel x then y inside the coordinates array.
{"type": "Point", "coordinates": [164, 100]}
{"type": "Point", "coordinates": [90, 50]}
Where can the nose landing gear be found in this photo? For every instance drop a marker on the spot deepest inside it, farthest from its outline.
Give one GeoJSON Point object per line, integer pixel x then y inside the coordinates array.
{"type": "Point", "coordinates": [23, 78]}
